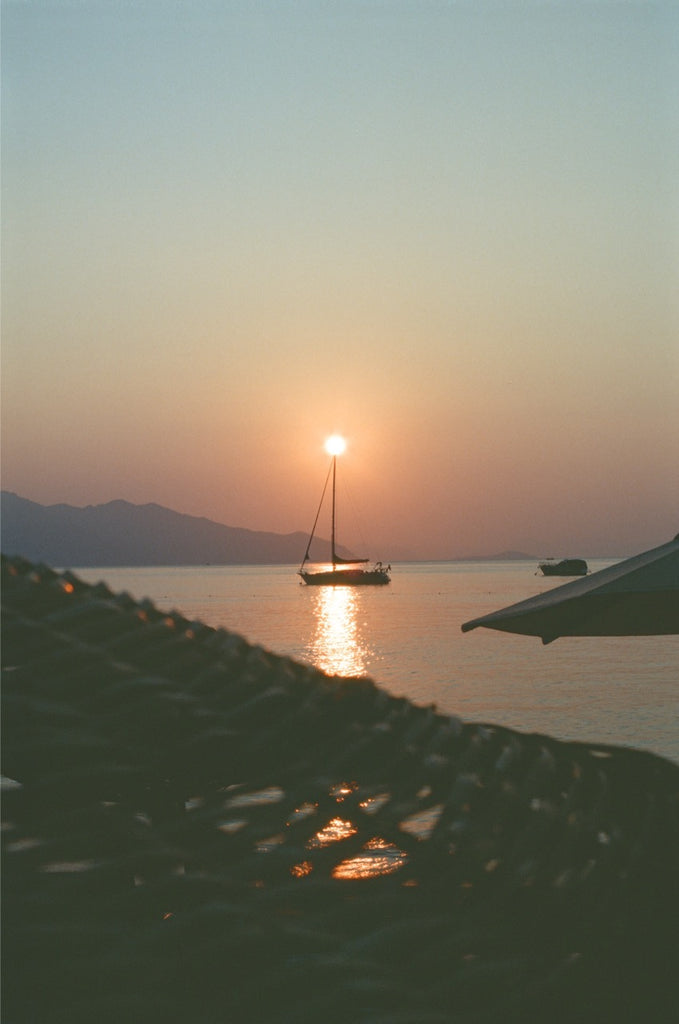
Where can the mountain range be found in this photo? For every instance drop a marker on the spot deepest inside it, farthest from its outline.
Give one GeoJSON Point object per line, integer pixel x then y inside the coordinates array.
{"type": "Point", "coordinates": [119, 533]}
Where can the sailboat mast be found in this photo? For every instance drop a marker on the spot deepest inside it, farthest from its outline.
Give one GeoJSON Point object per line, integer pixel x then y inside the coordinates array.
{"type": "Point", "coordinates": [332, 528]}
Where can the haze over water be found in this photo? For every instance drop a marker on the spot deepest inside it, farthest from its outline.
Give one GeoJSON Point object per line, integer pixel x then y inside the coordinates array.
{"type": "Point", "coordinates": [620, 690]}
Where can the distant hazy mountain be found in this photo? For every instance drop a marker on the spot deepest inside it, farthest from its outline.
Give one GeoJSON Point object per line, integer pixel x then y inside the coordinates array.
{"type": "Point", "coordinates": [120, 533]}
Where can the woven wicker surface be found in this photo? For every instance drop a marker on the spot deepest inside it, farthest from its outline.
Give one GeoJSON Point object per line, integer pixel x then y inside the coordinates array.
{"type": "Point", "coordinates": [198, 830]}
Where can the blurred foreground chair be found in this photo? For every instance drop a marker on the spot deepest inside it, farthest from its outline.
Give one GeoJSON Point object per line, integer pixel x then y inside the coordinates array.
{"type": "Point", "coordinates": [197, 830]}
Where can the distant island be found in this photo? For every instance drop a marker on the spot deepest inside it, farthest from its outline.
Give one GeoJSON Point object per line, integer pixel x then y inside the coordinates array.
{"type": "Point", "coordinates": [502, 556]}
{"type": "Point", "coordinates": [120, 533]}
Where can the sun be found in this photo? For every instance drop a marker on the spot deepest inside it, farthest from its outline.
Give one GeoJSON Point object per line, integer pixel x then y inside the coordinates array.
{"type": "Point", "coordinates": [335, 445]}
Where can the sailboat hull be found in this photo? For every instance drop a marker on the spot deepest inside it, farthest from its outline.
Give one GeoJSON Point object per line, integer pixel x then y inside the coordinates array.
{"type": "Point", "coordinates": [346, 578]}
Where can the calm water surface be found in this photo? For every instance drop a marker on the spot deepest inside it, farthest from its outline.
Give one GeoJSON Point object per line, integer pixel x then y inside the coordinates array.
{"type": "Point", "coordinates": [407, 637]}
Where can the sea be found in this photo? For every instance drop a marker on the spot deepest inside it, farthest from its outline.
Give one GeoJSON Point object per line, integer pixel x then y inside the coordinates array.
{"type": "Point", "coordinates": [407, 637]}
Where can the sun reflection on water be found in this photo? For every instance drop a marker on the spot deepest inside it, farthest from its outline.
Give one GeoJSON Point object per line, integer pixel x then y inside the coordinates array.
{"type": "Point", "coordinates": [337, 646]}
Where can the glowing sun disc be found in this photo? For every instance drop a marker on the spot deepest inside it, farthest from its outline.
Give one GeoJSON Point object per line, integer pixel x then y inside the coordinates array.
{"type": "Point", "coordinates": [335, 445]}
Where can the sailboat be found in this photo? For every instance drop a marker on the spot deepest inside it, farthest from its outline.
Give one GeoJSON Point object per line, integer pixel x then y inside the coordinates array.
{"type": "Point", "coordinates": [347, 572]}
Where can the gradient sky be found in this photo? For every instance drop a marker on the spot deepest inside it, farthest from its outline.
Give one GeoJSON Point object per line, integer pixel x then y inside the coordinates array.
{"type": "Point", "coordinates": [448, 230]}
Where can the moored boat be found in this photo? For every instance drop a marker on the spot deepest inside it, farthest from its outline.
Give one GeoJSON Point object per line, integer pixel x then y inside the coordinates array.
{"type": "Point", "coordinates": [563, 567]}
{"type": "Point", "coordinates": [346, 572]}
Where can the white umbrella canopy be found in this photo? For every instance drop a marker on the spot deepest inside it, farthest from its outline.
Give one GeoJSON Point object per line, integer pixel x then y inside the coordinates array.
{"type": "Point", "coordinates": [636, 597]}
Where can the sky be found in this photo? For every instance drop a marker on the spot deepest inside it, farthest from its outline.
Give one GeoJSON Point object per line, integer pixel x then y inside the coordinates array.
{"type": "Point", "coordinates": [448, 230]}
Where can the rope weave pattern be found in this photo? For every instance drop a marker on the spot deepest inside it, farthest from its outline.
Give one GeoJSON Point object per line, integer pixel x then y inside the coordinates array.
{"type": "Point", "coordinates": [195, 829]}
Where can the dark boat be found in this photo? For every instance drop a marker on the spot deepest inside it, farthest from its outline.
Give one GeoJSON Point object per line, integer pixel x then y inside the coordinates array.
{"type": "Point", "coordinates": [345, 572]}
{"type": "Point", "coordinates": [564, 567]}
